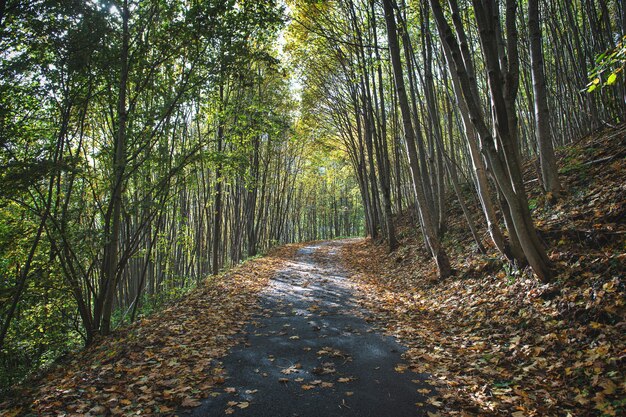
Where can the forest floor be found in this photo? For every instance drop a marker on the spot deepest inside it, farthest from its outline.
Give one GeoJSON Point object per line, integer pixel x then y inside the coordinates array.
{"type": "Point", "coordinates": [304, 326]}
{"type": "Point", "coordinates": [310, 352]}
{"type": "Point", "coordinates": [160, 363]}
{"type": "Point", "coordinates": [495, 340]}
{"type": "Point", "coordinates": [300, 345]}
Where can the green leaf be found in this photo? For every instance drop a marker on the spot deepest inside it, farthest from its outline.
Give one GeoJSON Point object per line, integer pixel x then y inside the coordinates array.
{"type": "Point", "coordinates": [592, 87]}
{"type": "Point", "coordinates": [611, 80]}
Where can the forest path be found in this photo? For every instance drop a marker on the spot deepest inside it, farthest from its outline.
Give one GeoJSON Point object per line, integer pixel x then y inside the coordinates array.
{"type": "Point", "coordinates": [310, 352]}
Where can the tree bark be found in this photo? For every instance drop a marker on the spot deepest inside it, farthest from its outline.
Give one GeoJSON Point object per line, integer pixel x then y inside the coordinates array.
{"type": "Point", "coordinates": [547, 158]}
{"type": "Point", "coordinates": [503, 160]}
{"type": "Point", "coordinates": [429, 226]}
{"type": "Point", "coordinates": [114, 214]}
{"type": "Point", "coordinates": [217, 214]}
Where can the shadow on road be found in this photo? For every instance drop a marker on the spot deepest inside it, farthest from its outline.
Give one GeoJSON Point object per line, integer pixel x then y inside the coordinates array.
{"type": "Point", "coordinates": [309, 352]}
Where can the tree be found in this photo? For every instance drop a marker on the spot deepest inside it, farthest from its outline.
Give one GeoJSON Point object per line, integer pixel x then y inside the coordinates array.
{"type": "Point", "coordinates": [547, 158]}
{"type": "Point", "coordinates": [428, 223]}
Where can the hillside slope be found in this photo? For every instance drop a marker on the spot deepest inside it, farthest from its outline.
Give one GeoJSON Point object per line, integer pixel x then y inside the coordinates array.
{"type": "Point", "coordinates": [497, 341]}
{"type": "Point", "coordinates": [494, 340]}
{"type": "Point", "coordinates": [161, 363]}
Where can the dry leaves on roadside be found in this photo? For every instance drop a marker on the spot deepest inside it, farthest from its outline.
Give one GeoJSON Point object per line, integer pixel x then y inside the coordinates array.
{"type": "Point", "coordinates": [163, 362]}
{"type": "Point", "coordinates": [498, 342]}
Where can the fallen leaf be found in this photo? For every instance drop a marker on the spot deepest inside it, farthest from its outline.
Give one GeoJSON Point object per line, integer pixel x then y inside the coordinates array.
{"type": "Point", "coordinates": [190, 402]}
{"type": "Point", "coordinates": [434, 402]}
{"type": "Point", "coordinates": [98, 410]}
{"type": "Point", "coordinates": [400, 368]}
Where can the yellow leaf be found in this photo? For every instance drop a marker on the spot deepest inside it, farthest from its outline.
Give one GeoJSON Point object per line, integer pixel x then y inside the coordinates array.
{"type": "Point", "coordinates": [434, 402]}
{"type": "Point", "coordinates": [400, 368]}
{"type": "Point", "coordinates": [609, 386]}
{"type": "Point", "coordinates": [612, 78]}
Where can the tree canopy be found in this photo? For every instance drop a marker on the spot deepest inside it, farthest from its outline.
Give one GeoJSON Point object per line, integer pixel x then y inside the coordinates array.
{"type": "Point", "coordinates": [146, 145]}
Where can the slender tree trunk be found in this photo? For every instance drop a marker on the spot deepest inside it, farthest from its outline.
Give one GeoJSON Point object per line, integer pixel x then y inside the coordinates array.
{"type": "Point", "coordinates": [217, 214]}
{"type": "Point", "coordinates": [505, 166]}
{"type": "Point", "coordinates": [382, 146]}
{"type": "Point", "coordinates": [480, 174]}
{"type": "Point", "coordinates": [114, 215]}
{"type": "Point", "coordinates": [429, 225]}
{"type": "Point", "coordinates": [547, 158]}
{"type": "Point", "coordinates": [251, 201]}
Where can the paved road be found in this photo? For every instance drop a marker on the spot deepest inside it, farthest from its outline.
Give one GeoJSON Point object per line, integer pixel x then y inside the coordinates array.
{"type": "Point", "coordinates": [310, 353]}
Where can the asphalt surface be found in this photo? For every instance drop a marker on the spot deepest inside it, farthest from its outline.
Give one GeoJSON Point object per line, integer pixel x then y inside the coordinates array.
{"type": "Point", "coordinates": [311, 353]}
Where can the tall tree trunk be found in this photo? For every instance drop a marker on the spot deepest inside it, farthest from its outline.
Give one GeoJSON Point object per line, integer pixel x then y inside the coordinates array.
{"type": "Point", "coordinates": [503, 159]}
{"type": "Point", "coordinates": [481, 181]}
{"type": "Point", "coordinates": [382, 146]}
{"type": "Point", "coordinates": [429, 225]}
{"type": "Point", "coordinates": [547, 158]}
{"type": "Point", "coordinates": [217, 214]}
{"type": "Point", "coordinates": [251, 200]}
{"type": "Point", "coordinates": [114, 214]}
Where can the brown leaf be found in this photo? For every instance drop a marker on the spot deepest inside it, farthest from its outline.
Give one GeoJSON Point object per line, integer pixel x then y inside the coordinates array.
{"type": "Point", "coordinates": [190, 402]}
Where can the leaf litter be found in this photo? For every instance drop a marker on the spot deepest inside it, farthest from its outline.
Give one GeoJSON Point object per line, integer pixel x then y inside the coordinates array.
{"type": "Point", "coordinates": [495, 340]}
{"type": "Point", "coordinates": [160, 363]}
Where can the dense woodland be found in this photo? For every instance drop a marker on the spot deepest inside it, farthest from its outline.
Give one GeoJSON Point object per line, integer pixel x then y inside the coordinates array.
{"type": "Point", "coordinates": [147, 145]}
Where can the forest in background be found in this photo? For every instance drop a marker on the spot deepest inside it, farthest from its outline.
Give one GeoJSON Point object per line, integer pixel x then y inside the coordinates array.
{"type": "Point", "coordinates": [147, 144]}
{"type": "Point", "coordinates": [144, 145]}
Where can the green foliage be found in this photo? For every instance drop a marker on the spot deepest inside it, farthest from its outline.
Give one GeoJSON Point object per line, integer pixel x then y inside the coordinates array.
{"type": "Point", "coordinates": [45, 322]}
{"type": "Point", "coordinates": [59, 80]}
{"type": "Point", "coordinates": [609, 67]}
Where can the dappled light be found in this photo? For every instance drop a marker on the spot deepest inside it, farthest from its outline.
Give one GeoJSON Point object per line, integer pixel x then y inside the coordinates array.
{"type": "Point", "coordinates": [286, 208]}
